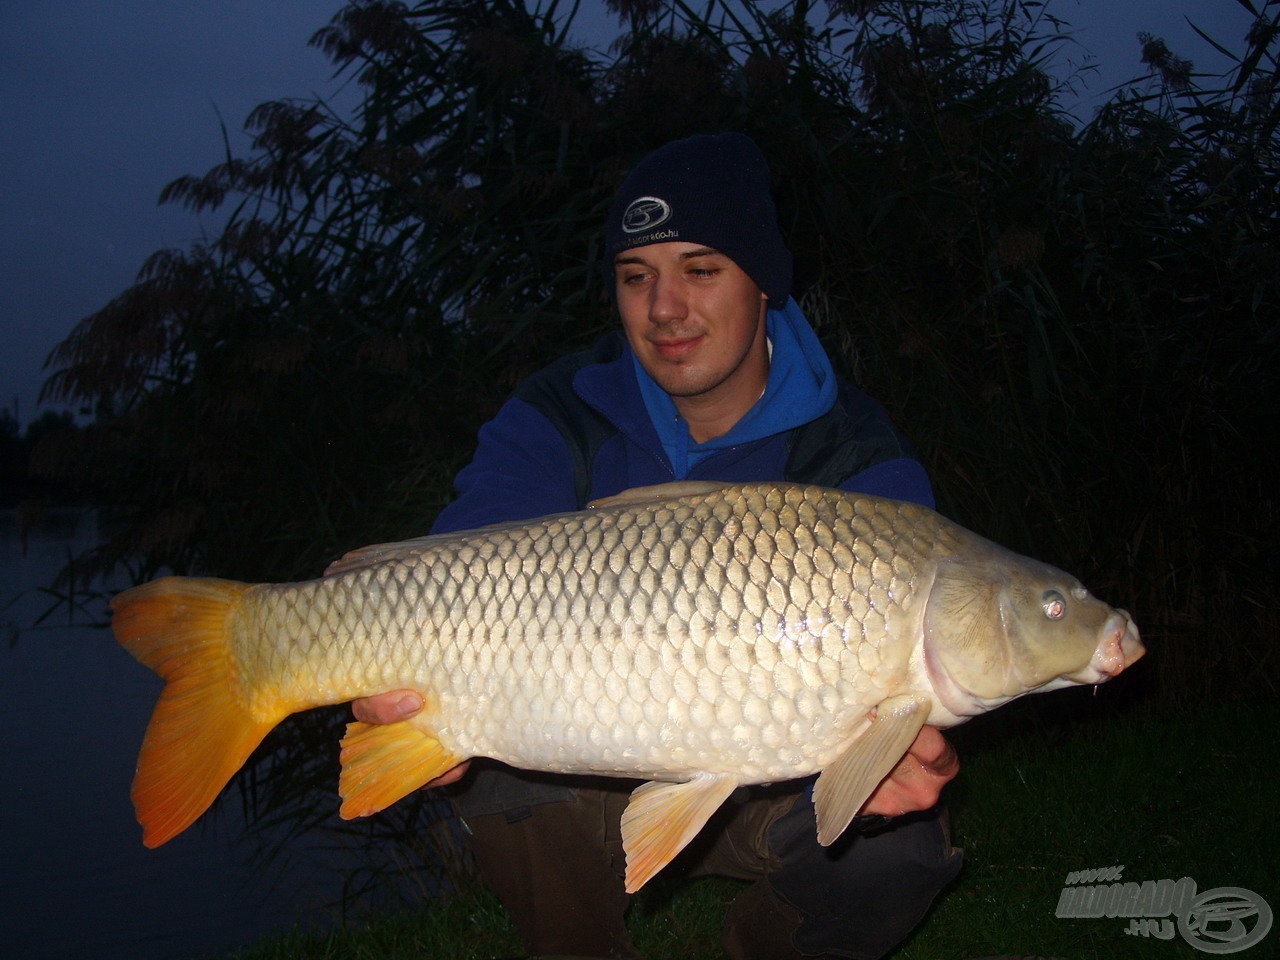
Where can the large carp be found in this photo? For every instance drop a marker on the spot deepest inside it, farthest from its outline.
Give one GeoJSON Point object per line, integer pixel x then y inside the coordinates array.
{"type": "Point", "coordinates": [698, 636]}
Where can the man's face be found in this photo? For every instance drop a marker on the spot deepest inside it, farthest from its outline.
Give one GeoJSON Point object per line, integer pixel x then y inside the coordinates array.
{"type": "Point", "coordinates": [695, 321]}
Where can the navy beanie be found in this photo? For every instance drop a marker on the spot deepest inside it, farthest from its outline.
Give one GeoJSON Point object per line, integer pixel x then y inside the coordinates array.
{"type": "Point", "coordinates": [711, 189]}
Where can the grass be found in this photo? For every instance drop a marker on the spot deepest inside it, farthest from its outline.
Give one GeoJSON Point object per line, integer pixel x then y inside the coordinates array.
{"type": "Point", "coordinates": [1164, 797]}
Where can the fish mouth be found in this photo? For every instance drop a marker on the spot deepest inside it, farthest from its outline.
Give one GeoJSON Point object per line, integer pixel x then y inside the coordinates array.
{"type": "Point", "coordinates": [1119, 649]}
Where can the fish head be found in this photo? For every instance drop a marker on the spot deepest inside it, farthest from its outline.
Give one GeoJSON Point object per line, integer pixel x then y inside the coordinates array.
{"type": "Point", "coordinates": [1004, 625]}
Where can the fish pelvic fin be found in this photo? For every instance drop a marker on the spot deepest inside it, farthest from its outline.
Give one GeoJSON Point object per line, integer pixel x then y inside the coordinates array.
{"type": "Point", "coordinates": [844, 786]}
{"type": "Point", "coordinates": [383, 762]}
{"type": "Point", "coordinates": [203, 728]}
{"type": "Point", "coordinates": [661, 818]}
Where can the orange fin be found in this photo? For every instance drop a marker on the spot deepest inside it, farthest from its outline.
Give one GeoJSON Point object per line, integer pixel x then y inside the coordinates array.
{"type": "Point", "coordinates": [383, 762]}
{"type": "Point", "coordinates": [661, 818]}
{"type": "Point", "coordinates": [202, 730]}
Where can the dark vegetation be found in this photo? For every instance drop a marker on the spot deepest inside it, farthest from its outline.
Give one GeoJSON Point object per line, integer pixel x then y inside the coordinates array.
{"type": "Point", "coordinates": [19, 485]}
{"type": "Point", "coordinates": [1076, 322]}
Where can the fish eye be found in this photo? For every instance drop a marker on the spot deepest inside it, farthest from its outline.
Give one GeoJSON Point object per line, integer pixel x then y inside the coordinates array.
{"type": "Point", "coordinates": [1054, 605]}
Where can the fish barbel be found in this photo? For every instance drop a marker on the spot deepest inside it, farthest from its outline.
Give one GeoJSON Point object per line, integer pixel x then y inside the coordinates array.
{"type": "Point", "coordinates": [698, 636]}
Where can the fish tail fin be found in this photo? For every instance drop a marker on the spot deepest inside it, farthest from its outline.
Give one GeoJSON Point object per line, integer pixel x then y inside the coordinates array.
{"type": "Point", "coordinates": [204, 727]}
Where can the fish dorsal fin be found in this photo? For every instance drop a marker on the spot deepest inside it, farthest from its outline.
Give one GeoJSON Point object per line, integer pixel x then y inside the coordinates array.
{"type": "Point", "coordinates": [844, 786]}
{"type": "Point", "coordinates": [377, 553]}
{"type": "Point", "coordinates": [383, 762]}
{"type": "Point", "coordinates": [658, 493]}
{"type": "Point", "coordinates": [662, 817]}
{"type": "Point", "coordinates": [411, 549]}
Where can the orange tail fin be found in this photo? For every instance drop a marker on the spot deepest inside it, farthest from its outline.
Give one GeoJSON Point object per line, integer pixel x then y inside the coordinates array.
{"type": "Point", "coordinates": [202, 730]}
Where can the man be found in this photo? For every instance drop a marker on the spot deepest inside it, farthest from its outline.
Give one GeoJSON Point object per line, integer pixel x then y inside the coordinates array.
{"type": "Point", "coordinates": [717, 376]}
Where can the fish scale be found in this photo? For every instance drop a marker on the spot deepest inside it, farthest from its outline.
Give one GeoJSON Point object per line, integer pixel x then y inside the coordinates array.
{"type": "Point", "coordinates": [699, 636]}
{"type": "Point", "coordinates": [645, 608]}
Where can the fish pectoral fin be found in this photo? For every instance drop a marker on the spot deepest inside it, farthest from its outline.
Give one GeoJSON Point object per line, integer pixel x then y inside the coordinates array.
{"type": "Point", "coordinates": [657, 493]}
{"type": "Point", "coordinates": [661, 818]}
{"type": "Point", "coordinates": [844, 786]}
{"type": "Point", "coordinates": [383, 762]}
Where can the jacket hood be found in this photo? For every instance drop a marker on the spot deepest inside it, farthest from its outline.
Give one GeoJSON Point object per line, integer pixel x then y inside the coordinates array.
{"type": "Point", "coordinates": [801, 387]}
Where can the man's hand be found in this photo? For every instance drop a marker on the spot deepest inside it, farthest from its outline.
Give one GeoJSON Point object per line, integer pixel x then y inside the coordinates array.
{"type": "Point", "coordinates": [393, 707]}
{"type": "Point", "coordinates": [917, 781]}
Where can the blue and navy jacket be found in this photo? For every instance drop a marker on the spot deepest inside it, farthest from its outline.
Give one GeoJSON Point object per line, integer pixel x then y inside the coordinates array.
{"type": "Point", "coordinates": [580, 429]}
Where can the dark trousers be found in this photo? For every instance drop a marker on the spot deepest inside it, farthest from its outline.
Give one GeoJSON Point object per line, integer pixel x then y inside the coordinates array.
{"type": "Point", "coordinates": [558, 868]}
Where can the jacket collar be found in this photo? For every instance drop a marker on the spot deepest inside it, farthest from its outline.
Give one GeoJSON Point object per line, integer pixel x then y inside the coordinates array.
{"type": "Point", "coordinates": [611, 390]}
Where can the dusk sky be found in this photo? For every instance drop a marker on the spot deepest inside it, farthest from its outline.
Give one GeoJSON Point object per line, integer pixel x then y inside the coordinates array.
{"type": "Point", "coordinates": [102, 104]}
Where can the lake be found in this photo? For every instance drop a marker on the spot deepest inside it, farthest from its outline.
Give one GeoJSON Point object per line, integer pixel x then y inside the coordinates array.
{"type": "Point", "coordinates": [77, 882]}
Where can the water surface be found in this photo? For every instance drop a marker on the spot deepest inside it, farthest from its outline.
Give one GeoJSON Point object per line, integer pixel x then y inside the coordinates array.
{"type": "Point", "coordinates": [76, 881]}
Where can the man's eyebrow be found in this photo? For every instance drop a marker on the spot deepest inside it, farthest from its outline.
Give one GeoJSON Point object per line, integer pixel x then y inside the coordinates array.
{"type": "Point", "coordinates": [622, 260]}
{"type": "Point", "coordinates": [701, 252]}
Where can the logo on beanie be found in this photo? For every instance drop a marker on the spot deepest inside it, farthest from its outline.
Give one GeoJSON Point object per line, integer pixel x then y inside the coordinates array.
{"type": "Point", "coordinates": [645, 213]}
